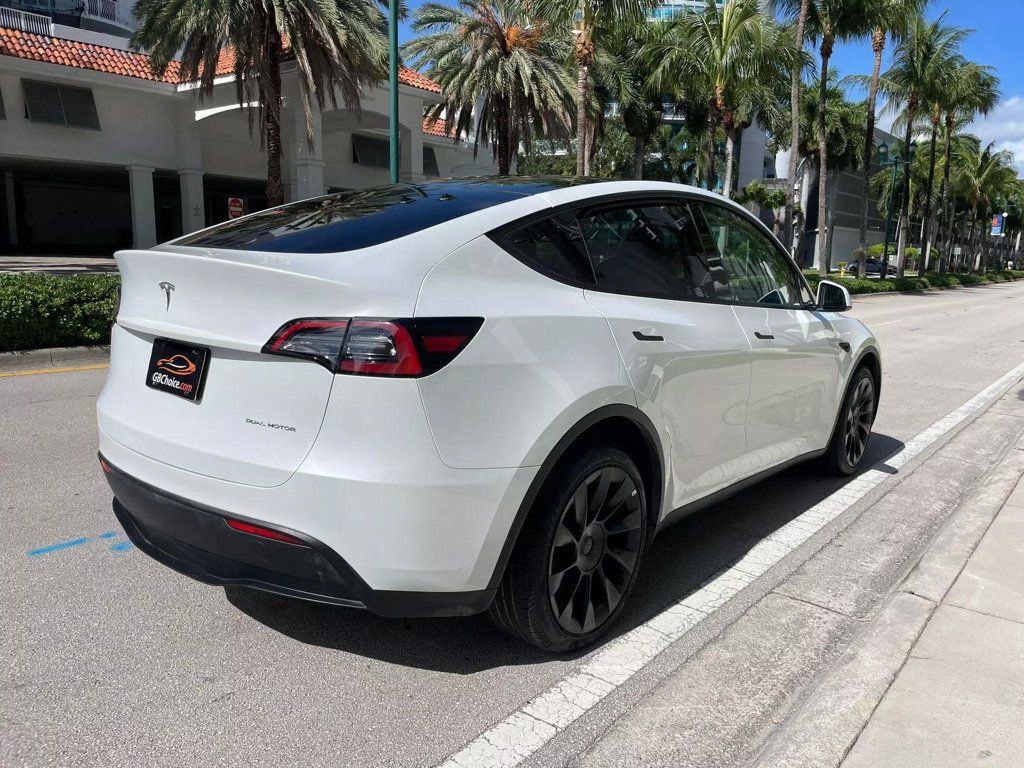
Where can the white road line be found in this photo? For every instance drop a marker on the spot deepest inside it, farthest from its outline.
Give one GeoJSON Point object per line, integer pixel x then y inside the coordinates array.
{"type": "Point", "coordinates": [887, 322]}
{"type": "Point", "coordinates": [529, 728]}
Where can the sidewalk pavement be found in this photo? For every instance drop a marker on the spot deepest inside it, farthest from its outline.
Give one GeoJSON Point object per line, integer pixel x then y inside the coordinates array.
{"type": "Point", "coordinates": [959, 698]}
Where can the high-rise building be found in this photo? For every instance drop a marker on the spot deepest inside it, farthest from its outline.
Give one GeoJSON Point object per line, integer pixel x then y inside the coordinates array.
{"type": "Point", "coordinates": [669, 9]}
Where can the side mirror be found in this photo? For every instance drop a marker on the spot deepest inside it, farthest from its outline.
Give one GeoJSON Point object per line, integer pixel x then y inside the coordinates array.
{"type": "Point", "coordinates": [832, 297]}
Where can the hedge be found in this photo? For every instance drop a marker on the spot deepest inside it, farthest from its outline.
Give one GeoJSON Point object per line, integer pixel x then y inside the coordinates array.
{"type": "Point", "coordinates": [930, 280]}
{"type": "Point", "coordinates": [39, 311]}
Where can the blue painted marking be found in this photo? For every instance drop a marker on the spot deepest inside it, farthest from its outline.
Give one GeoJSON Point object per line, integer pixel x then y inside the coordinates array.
{"type": "Point", "coordinates": [121, 546]}
{"type": "Point", "coordinates": [109, 535]}
{"type": "Point", "coordinates": [56, 547]}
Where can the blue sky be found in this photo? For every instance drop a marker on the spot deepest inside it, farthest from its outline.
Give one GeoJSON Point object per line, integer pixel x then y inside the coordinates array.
{"type": "Point", "coordinates": [998, 40]}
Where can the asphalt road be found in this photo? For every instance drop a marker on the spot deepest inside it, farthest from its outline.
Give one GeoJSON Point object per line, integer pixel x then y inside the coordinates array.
{"type": "Point", "coordinates": [111, 659]}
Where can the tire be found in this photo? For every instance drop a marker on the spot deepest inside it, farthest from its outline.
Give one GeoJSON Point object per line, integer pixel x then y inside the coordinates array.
{"type": "Point", "coordinates": [846, 450]}
{"type": "Point", "coordinates": [591, 565]}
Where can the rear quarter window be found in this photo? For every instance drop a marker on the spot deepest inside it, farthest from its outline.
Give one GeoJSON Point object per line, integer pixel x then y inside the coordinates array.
{"type": "Point", "coordinates": [553, 246]}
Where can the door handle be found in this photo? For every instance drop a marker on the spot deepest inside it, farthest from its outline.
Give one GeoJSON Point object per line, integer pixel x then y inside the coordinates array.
{"type": "Point", "coordinates": [762, 336]}
{"type": "Point", "coordinates": [644, 337]}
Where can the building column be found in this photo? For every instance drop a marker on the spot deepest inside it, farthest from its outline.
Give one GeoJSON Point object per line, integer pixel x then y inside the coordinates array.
{"type": "Point", "coordinates": [140, 182]}
{"type": "Point", "coordinates": [190, 163]}
{"type": "Point", "coordinates": [193, 208]}
{"type": "Point", "coordinates": [307, 161]}
{"type": "Point", "coordinates": [12, 211]}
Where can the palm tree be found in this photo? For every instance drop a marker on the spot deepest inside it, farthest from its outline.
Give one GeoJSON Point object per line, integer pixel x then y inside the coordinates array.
{"type": "Point", "coordinates": [794, 107]}
{"type": "Point", "coordinates": [971, 90]}
{"type": "Point", "coordinates": [844, 124]}
{"type": "Point", "coordinates": [733, 56]}
{"type": "Point", "coordinates": [891, 18]}
{"type": "Point", "coordinates": [592, 23]}
{"type": "Point", "coordinates": [920, 66]}
{"type": "Point", "coordinates": [337, 46]}
{"type": "Point", "coordinates": [496, 53]}
{"type": "Point", "coordinates": [829, 22]}
{"type": "Point", "coordinates": [985, 174]}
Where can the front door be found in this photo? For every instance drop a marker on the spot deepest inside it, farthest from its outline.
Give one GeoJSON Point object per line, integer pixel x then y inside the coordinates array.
{"type": "Point", "coordinates": [795, 376]}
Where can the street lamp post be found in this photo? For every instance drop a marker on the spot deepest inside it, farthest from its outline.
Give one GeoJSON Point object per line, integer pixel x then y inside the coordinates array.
{"type": "Point", "coordinates": [393, 86]}
{"type": "Point", "coordinates": [895, 162]}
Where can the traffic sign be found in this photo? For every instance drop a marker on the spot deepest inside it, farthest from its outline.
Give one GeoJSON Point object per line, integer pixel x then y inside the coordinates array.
{"type": "Point", "coordinates": [236, 208]}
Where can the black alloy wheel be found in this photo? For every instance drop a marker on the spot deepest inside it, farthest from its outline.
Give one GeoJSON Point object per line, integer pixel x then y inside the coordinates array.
{"type": "Point", "coordinates": [859, 417]}
{"type": "Point", "coordinates": [595, 551]}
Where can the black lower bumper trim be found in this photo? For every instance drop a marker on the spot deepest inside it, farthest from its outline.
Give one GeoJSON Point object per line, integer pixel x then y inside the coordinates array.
{"type": "Point", "coordinates": [196, 540]}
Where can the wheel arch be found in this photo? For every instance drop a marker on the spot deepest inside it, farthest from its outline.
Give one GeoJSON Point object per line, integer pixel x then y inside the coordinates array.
{"type": "Point", "coordinates": [618, 425]}
{"type": "Point", "coordinates": [872, 359]}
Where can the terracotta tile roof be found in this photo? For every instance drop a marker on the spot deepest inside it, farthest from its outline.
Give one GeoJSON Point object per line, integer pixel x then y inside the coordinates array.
{"type": "Point", "coordinates": [72, 53]}
{"type": "Point", "coordinates": [114, 61]}
{"type": "Point", "coordinates": [411, 77]}
{"type": "Point", "coordinates": [438, 127]}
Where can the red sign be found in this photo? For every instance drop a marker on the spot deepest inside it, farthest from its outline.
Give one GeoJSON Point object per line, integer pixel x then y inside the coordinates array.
{"type": "Point", "coordinates": [236, 208]}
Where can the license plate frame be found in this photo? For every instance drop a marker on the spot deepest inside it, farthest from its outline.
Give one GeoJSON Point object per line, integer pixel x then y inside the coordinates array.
{"type": "Point", "coordinates": [178, 369]}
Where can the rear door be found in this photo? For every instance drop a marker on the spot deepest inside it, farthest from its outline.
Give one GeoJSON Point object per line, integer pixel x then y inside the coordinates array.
{"type": "Point", "coordinates": [796, 355]}
{"type": "Point", "coordinates": [686, 354]}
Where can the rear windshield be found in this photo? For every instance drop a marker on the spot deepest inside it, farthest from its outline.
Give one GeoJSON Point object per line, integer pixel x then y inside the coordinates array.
{"type": "Point", "coordinates": [348, 221]}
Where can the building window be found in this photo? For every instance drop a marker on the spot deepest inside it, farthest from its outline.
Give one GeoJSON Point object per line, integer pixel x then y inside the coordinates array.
{"type": "Point", "coordinates": [430, 162]}
{"type": "Point", "coordinates": [60, 105]}
{"type": "Point", "coordinates": [370, 151]}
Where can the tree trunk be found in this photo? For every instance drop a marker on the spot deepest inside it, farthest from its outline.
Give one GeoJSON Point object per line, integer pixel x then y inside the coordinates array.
{"type": "Point", "coordinates": [823, 262]}
{"type": "Point", "coordinates": [730, 151]}
{"type": "Point", "coordinates": [878, 46]}
{"type": "Point", "coordinates": [582, 127]}
{"type": "Point", "coordinates": [712, 137]}
{"type": "Point", "coordinates": [901, 247]}
{"type": "Point", "coordinates": [794, 104]}
{"type": "Point", "coordinates": [504, 143]}
{"type": "Point", "coordinates": [639, 153]}
{"type": "Point", "coordinates": [832, 184]}
{"type": "Point", "coordinates": [926, 243]}
{"type": "Point", "coordinates": [272, 122]}
{"type": "Point", "coordinates": [947, 214]}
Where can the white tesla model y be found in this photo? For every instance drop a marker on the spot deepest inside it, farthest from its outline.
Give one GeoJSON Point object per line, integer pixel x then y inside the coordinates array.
{"type": "Point", "coordinates": [463, 396]}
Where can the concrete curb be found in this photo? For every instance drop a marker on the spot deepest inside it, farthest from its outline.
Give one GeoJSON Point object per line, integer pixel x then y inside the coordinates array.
{"type": "Point", "coordinates": [828, 723]}
{"type": "Point", "coordinates": [57, 357]}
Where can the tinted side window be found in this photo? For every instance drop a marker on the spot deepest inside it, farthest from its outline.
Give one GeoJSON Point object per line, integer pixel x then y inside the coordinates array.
{"type": "Point", "coordinates": [555, 245]}
{"type": "Point", "coordinates": [649, 250]}
{"type": "Point", "coordinates": [758, 272]}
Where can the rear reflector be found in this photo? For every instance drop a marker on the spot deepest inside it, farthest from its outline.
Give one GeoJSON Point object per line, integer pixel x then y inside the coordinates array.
{"type": "Point", "coordinates": [266, 533]}
{"type": "Point", "coordinates": [105, 466]}
{"type": "Point", "coordinates": [375, 347]}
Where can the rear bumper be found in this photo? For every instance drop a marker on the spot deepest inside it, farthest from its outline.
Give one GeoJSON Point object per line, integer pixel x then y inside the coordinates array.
{"type": "Point", "coordinates": [196, 540]}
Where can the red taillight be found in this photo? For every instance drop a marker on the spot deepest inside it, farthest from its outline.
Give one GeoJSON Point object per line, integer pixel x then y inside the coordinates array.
{"type": "Point", "coordinates": [380, 348]}
{"type": "Point", "coordinates": [375, 347]}
{"type": "Point", "coordinates": [316, 338]}
{"type": "Point", "coordinates": [266, 533]}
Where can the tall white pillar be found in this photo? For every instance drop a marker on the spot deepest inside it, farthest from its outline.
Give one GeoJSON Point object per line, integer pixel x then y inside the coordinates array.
{"type": "Point", "coordinates": [190, 163]}
{"type": "Point", "coordinates": [140, 181]}
{"type": "Point", "coordinates": [307, 161]}
{"type": "Point", "coordinates": [193, 209]}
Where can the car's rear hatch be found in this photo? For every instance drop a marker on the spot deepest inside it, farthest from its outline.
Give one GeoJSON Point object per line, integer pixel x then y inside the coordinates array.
{"type": "Point", "coordinates": [257, 415]}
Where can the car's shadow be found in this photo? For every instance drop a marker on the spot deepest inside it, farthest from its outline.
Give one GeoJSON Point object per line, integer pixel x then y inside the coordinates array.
{"type": "Point", "coordinates": [683, 557]}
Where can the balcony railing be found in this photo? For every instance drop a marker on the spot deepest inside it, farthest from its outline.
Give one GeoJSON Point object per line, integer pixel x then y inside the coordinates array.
{"type": "Point", "coordinates": [71, 12]}
{"type": "Point", "coordinates": [33, 23]}
{"type": "Point", "coordinates": [111, 11]}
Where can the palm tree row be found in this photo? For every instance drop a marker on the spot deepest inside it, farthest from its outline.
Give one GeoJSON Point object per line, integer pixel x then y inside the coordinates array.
{"type": "Point", "coordinates": [514, 71]}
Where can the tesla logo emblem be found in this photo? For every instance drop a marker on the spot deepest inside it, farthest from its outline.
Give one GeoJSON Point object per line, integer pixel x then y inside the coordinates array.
{"type": "Point", "coordinates": [168, 288]}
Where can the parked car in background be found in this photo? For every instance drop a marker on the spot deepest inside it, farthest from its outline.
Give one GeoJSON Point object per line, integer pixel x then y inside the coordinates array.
{"type": "Point", "coordinates": [872, 268]}
{"type": "Point", "coordinates": [462, 396]}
